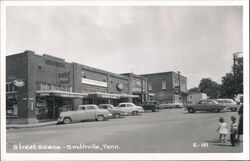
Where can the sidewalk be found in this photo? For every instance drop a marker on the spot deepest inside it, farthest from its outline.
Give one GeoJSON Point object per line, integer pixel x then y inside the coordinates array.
{"type": "Point", "coordinates": [17, 126]}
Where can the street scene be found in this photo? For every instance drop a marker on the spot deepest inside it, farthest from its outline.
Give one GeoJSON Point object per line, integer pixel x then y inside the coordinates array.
{"type": "Point", "coordinates": [167, 131]}
{"type": "Point", "coordinates": [125, 79]}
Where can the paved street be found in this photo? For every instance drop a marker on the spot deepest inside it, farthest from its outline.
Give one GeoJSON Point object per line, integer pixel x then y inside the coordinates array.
{"type": "Point", "coordinates": [167, 131]}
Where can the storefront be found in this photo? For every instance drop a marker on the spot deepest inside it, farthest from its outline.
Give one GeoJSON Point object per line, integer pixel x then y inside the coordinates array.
{"type": "Point", "coordinates": [103, 98]}
{"type": "Point", "coordinates": [49, 104]}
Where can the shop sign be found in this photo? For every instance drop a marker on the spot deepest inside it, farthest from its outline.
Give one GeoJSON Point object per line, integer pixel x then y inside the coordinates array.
{"type": "Point", "coordinates": [63, 78]}
{"type": "Point", "coordinates": [109, 96]}
{"type": "Point", "coordinates": [94, 82]}
{"type": "Point", "coordinates": [119, 86]}
{"type": "Point", "coordinates": [18, 83]}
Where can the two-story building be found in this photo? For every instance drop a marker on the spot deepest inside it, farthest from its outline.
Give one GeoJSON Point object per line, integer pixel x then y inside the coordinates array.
{"type": "Point", "coordinates": [40, 87]}
{"type": "Point", "coordinates": [167, 86]}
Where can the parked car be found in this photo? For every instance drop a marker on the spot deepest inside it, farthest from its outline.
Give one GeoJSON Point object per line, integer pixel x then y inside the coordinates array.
{"type": "Point", "coordinates": [151, 105]}
{"type": "Point", "coordinates": [205, 105]}
{"type": "Point", "coordinates": [84, 112]}
{"type": "Point", "coordinates": [229, 103]}
{"type": "Point", "coordinates": [130, 108]}
{"type": "Point", "coordinates": [116, 113]}
{"type": "Point", "coordinates": [168, 104]}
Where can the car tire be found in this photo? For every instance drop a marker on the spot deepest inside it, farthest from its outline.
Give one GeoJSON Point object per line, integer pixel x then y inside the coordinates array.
{"type": "Point", "coordinates": [67, 120]}
{"type": "Point", "coordinates": [217, 110]}
{"type": "Point", "coordinates": [135, 113]}
{"type": "Point", "coordinates": [191, 110]}
{"type": "Point", "coordinates": [155, 110]}
{"type": "Point", "coordinates": [116, 115]}
{"type": "Point", "coordinates": [177, 106]}
{"type": "Point", "coordinates": [100, 118]}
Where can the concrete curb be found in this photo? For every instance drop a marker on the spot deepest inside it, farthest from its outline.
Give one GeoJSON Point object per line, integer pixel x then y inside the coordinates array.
{"type": "Point", "coordinates": [16, 126]}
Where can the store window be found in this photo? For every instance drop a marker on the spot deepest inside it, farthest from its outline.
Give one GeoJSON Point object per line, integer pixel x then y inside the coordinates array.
{"type": "Point", "coordinates": [12, 107]}
{"type": "Point", "coordinates": [10, 87]}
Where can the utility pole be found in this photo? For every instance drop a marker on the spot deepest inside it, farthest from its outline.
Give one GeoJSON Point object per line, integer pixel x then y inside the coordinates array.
{"type": "Point", "coordinates": [179, 79]}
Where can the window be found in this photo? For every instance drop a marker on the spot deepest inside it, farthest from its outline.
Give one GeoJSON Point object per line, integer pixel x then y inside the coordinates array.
{"type": "Point", "coordinates": [150, 86]}
{"type": "Point", "coordinates": [10, 87]}
{"type": "Point", "coordinates": [91, 107]}
{"type": "Point", "coordinates": [122, 105]}
{"type": "Point", "coordinates": [164, 84]}
{"type": "Point", "coordinates": [129, 105]}
{"type": "Point", "coordinates": [81, 108]}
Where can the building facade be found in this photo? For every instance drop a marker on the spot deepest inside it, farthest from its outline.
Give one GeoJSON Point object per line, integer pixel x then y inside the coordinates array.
{"type": "Point", "coordinates": [51, 85]}
{"type": "Point", "coordinates": [196, 97]}
{"type": "Point", "coordinates": [167, 86]}
{"type": "Point", "coordinates": [137, 86]}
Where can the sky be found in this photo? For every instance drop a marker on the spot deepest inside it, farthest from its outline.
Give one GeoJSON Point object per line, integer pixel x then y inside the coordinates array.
{"type": "Point", "coordinates": [197, 41]}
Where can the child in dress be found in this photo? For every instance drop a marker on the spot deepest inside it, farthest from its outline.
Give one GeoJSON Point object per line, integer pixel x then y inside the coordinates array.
{"type": "Point", "coordinates": [234, 129]}
{"type": "Point", "coordinates": [222, 129]}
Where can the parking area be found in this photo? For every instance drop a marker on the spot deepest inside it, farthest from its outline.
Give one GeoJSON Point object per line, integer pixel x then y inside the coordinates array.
{"type": "Point", "coordinates": [167, 131]}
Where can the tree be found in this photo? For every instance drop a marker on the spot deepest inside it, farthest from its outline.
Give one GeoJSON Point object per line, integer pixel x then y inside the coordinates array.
{"type": "Point", "coordinates": [227, 88]}
{"type": "Point", "coordinates": [232, 83]}
{"type": "Point", "coordinates": [211, 88]}
{"type": "Point", "coordinates": [194, 90]}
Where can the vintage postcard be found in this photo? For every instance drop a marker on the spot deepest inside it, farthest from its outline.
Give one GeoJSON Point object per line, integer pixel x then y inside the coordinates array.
{"type": "Point", "coordinates": [125, 80]}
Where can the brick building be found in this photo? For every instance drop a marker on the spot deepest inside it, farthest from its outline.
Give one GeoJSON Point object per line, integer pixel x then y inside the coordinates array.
{"type": "Point", "coordinates": [52, 85]}
{"type": "Point", "coordinates": [167, 86]}
{"type": "Point", "coordinates": [137, 86]}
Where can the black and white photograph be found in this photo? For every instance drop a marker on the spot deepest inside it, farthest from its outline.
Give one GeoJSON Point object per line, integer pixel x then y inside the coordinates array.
{"type": "Point", "coordinates": [124, 80]}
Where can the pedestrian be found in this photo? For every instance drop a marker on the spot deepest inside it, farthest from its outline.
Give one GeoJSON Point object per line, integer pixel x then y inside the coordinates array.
{"type": "Point", "coordinates": [222, 129]}
{"type": "Point", "coordinates": [234, 129]}
{"type": "Point", "coordinates": [240, 127]}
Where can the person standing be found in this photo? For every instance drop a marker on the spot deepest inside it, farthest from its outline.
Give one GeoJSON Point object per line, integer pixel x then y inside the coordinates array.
{"type": "Point", "coordinates": [234, 129]}
{"type": "Point", "coordinates": [222, 129]}
{"type": "Point", "coordinates": [240, 127]}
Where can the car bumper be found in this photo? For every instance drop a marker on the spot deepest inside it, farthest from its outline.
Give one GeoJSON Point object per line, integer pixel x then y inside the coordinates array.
{"type": "Point", "coordinates": [141, 111]}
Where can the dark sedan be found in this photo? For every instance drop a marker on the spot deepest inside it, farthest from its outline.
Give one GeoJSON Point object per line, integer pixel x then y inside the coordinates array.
{"type": "Point", "coordinates": [152, 106]}
{"type": "Point", "coordinates": [205, 105]}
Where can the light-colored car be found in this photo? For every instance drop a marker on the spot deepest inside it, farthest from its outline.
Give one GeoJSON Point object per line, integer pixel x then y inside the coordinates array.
{"type": "Point", "coordinates": [205, 105]}
{"type": "Point", "coordinates": [116, 113]}
{"type": "Point", "coordinates": [229, 103]}
{"type": "Point", "coordinates": [84, 112]}
{"type": "Point", "coordinates": [130, 108]}
{"type": "Point", "coordinates": [165, 105]}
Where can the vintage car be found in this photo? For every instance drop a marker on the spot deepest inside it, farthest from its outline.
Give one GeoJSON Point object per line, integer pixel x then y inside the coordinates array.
{"type": "Point", "coordinates": [130, 108]}
{"type": "Point", "coordinates": [170, 104]}
{"type": "Point", "coordinates": [84, 112]}
{"type": "Point", "coordinates": [205, 105]}
{"type": "Point", "coordinates": [116, 113]}
{"type": "Point", "coordinates": [229, 103]}
{"type": "Point", "coordinates": [151, 105]}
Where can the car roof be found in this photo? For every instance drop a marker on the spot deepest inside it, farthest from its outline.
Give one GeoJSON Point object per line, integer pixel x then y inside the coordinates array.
{"type": "Point", "coordinates": [87, 105]}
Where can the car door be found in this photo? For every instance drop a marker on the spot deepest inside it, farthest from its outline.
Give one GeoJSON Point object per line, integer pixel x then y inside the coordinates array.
{"type": "Point", "coordinates": [80, 113]}
{"type": "Point", "coordinates": [130, 107]}
{"type": "Point", "coordinates": [201, 106]}
{"type": "Point", "coordinates": [90, 112]}
{"type": "Point", "coordinates": [123, 107]}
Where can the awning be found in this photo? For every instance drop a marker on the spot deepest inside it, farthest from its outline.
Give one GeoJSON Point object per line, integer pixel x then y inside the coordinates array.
{"type": "Point", "coordinates": [123, 95]}
{"type": "Point", "coordinates": [61, 94]}
{"type": "Point", "coordinates": [104, 95]}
